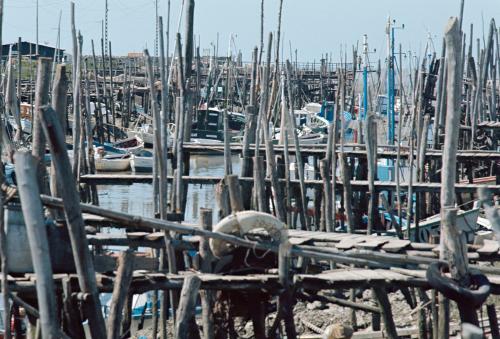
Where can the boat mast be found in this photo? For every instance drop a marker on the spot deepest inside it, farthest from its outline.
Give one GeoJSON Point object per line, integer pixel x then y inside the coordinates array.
{"type": "Point", "coordinates": [365, 78]}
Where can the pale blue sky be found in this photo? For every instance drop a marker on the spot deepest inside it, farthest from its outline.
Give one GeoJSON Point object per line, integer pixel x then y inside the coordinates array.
{"type": "Point", "coordinates": [314, 27]}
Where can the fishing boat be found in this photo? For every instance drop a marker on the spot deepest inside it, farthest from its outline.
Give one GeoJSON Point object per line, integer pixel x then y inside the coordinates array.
{"type": "Point", "coordinates": [142, 162]}
{"type": "Point", "coordinates": [466, 222]}
{"type": "Point", "coordinates": [111, 162]}
{"type": "Point", "coordinates": [209, 127]}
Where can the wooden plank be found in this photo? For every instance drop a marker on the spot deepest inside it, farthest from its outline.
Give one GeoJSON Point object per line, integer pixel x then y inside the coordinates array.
{"type": "Point", "coordinates": [394, 246]}
{"type": "Point", "coordinates": [349, 242]}
{"type": "Point", "coordinates": [357, 185]}
{"type": "Point", "coordinates": [371, 244]}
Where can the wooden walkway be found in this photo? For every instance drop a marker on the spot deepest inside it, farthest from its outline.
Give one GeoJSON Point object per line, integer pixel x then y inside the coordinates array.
{"type": "Point", "coordinates": [354, 150]}
{"type": "Point", "coordinates": [144, 281]}
{"type": "Point", "coordinates": [357, 185]}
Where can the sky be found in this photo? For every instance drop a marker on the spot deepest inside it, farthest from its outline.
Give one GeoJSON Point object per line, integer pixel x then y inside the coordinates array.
{"type": "Point", "coordinates": [312, 27]}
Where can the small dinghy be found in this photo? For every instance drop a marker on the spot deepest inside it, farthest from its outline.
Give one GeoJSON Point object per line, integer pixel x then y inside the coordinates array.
{"type": "Point", "coordinates": [132, 145]}
{"type": "Point", "coordinates": [111, 162]}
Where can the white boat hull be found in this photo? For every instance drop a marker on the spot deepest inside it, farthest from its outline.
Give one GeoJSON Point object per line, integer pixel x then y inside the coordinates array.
{"type": "Point", "coordinates": [141, 164]}
{"type": "Point", "coordinates": [466, 221]}
{"type": "Point", "coordinates": [112, 165]}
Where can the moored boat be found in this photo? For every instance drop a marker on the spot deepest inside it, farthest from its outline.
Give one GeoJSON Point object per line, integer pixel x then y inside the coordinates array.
{"type": "Point", "coordinates": [111, 162]}
{"type": "Point", "coordinates": [142, 162]}
{"type": "Point", "coordinates": [132, 145]}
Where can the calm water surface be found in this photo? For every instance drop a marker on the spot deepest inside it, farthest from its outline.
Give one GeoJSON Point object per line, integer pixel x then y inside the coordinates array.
{"type": "Point", "coordinates": [137, 199]}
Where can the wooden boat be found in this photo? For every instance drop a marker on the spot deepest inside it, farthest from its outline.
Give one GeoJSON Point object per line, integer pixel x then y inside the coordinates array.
{"type": "Point", "coordinates": [145, 132]}
{"type": "Point", "coordinates": [111, 162]}
{"type": "Point", "coordinates": [133, 145]}
{"type": "Point", "coordinates": [466, 221]}
{"type": "Point", "coordinates": [209, 127]}
{"type": "Point", "coordinates": [142, 162]}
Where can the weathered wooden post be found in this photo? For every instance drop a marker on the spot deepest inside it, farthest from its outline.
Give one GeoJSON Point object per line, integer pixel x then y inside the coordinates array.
{"type": "Point", "coordinates": [327, 195]}
{"type": "Point", "coordinates": [235, 197]}
{"type": "Point", "coordinates": [120, 292]}
{"type": "Point", "coordinates": [371, 150]}
{"type": "Point", "coordinates": [451, 241]}
{"type": "Point", "coordinates": [26, 170]}
{"type": "Point", "coordinates": [285, 300]}
{"type": "Point", "coordinates": [385, 311]}
{"type": "Point", "coordinates": [76, 227]}
{"type": "Point", "coordinates": [259, 184]}
{"type": "Point", "coordinates": [11, 98]}
{"type": "Point", "coordinates": [111, 91]}
{"type": "Point", "coordinates": [98, 111]}
{"type": "Point", "coordinates": [163, 128]}
{"type": "Point", "coordinates": [187, 305]}
{"type": "Point", "coordinates": [59, 102]}
{"type": "Point", "coordinates": [207, 259]}
{"type": "Point", "coordinates": [76, 94]}
{"type": "Point", "coordinates": [41, 98]}
{"type": "Point", "coordinates": [292, 131]}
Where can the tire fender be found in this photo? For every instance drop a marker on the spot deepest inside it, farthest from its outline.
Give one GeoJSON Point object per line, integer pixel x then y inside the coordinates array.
{"type": "Point", "coordinates": [241, 223]}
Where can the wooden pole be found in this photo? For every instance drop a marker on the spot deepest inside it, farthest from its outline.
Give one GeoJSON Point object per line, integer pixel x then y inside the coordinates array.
{"type": "Point", "coordinates": [120, 292]}
{"type": "Point", "coordinates": [259, 187]}
{"type": "Point", "coordinates": [76, 108]}
{"type": "Point", "coordinates": [292, 131]}
{"type": "Point", "coordinates": [163, 128]}
{"type": "Point", "coordinates": [105, 90]}
{"type": "Point", "coordinates": [187, 305]}
{"type": "Point", "coordinates": [452, 247]}
{"type": "Point", "coordinates": [59, 102]}
{"type": "Point", "coordinates": [72, 322]}
{"type": "Point", "coordinates": [111, 91]}
{"type": "Point", "coordinates": [385, 311]}
{"type": "Point", "coordinates": [207, 259]}
{"type": "Point", "coordinates": [234, 193]}
{"type": "Point", "coordinates": [98, 112]}
{"type": "Point", "coordinates": [82, 163]}
{"type": "Point", "coordinates": [11, 99]}
{"type": "Point", "coordinates": [327, 195]}
{"type": "Point", "coordinates": [346, 173]}
{"type": "Point", "coordinates": [371, 150]}
{"type": "Point", "coordinates": [90, 138]}
{"type": "Point", "coordinates": [41, 98]}
{"type": "Point", "coordinates": [76, 226]}
{"type": "Point", "coordinates": [188, 46]}
{"type": "Point", "coordinates": [39, 244]}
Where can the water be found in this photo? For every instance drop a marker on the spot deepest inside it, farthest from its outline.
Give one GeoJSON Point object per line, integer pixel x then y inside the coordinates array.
{"type": "Point", "coordinates": [137, 199]}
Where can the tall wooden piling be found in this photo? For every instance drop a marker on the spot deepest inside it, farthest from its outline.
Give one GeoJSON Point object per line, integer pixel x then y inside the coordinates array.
{"type": "Point", "coordinates": [41, 98]}
{"type": "Point", "coordinates": [29, 192]}
{"type": "Point", "coordinates": [76, 227]}
{"type": "Point", "coordinates": [120, 291]}
{"type": "Point", "coordinates": [207, 259]}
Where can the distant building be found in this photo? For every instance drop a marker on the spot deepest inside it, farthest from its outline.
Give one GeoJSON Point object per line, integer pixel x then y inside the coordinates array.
{"type": "Point", "coordinates": [28, 49]}
{"type": "Point", "coordinates": [135, 55]}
